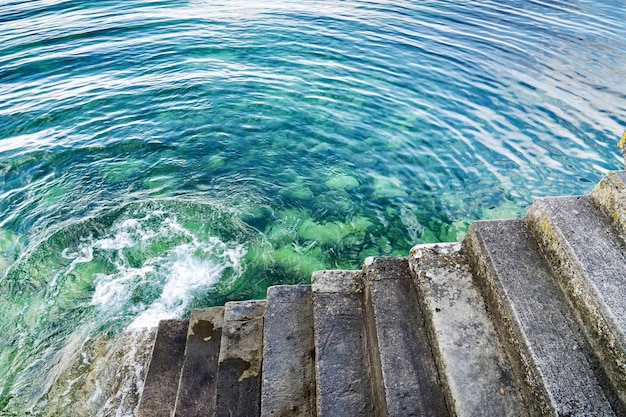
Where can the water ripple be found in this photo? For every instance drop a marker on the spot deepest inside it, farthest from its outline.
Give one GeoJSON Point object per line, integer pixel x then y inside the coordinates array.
{"type": "Point", "coordinates": [336, 129]}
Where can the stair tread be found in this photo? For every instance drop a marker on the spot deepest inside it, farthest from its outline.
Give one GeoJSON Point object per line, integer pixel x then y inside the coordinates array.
{"type": "Point", "coordinates": [554, 355]}
{"type": "Point", "coordinates": [342, 367]}
{"type": "Point", "coordinates": [598, 253]}
{"type": "Point", "coordinates": [196, 391]}
{"type": "Point", "coordinates": [589, 258]}
{"type": "Point", "coordinates": [288, 383]}
{"type": "Point", "coordinates": [161, 383]}
{"type": "Point", "coordinates": [402, 357]}
{"type": "Point", "coordinates": [462, 335]}
{"type": "Point", "coordinates": [238, 391]}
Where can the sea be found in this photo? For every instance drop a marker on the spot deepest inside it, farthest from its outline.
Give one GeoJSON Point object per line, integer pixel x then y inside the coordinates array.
{"type": "Point", "coordinates": [162, 155]}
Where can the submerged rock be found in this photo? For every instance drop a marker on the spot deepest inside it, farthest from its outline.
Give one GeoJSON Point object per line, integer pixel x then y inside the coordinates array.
{"type": "Point", "coordinates": [119, 171]}
{"type": "Point", "coordinates": [299, 261]}
{"type": "Point", "coordinates": [298, 192]}
{"type": "Point", "coordinates": [388, 187]}
{"type": "Point", "coordinates": [340, 182]}
{"type": "Point", "coordinates": [216, 161]}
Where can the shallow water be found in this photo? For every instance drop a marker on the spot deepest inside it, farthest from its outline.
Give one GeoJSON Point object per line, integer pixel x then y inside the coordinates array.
{"type": "Point", "coordinates": [156, 156]}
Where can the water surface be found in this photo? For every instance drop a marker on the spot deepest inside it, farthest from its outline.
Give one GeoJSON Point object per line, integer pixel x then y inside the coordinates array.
{"type": "Point", "coordinates": [161, 155]}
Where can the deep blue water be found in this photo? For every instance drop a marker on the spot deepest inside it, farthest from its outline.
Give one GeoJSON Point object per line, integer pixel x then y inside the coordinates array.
{"type": "Point", "coordinates": [161, 155]}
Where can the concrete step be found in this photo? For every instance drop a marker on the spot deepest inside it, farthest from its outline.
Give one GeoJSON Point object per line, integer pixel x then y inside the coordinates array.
{"type": "Point", "coordinates": [610, 196]}
{"type": "Point", "coordinates": [589, 259]}
{"type": "Point", "coordinates": [405, 376]}
{"type": "Point", "coordinates": [288, 383]}
{"type": "Point", "coordinates": [238, 392]}
{"type": "Point", "coordinates": [342, 365]}
{"type": "Point", "coordinates": [474, 371]}
{"type": "Point", "coordinates": [158, 397]}
{"type": "Point", "coordinates": [196, 390]}
{"type": "Point", "coordinates": [549, 354]}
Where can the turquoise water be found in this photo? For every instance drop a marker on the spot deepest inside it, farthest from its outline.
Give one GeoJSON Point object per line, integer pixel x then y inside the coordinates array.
{"type": "Point", "coordinates": [161, 155]}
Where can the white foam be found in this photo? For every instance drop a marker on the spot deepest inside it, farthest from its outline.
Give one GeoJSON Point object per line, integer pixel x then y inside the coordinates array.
{"type": "Point", "coordinates": [169, 280]}
{"type": "Point", "coordinates": [189, 275]}
{"type": "Point", "coordinates": [114, 291]}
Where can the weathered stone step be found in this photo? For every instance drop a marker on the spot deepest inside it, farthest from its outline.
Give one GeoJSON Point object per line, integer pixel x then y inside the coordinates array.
{"type": "Point", "coordinates": [548, 351]}
{"type": "Point", "coordinates": [288, 383]}
{"type": "Point", "coordinates": [589, 259]}
{"type": "Point", "coordinates": [405, 376]}
{"type": "Point", "coordinates": [196, 390]}
{"type": "Point", "coordinates": [238, 392]}
{"type": "Point", "coordinates": [610, 196]}
{"type": "Point", "coordinates": [158, 397]}
{"type": "Point", "coordinates": [475, 374]}
{"type": "Point", "coordinates": [342, 365]}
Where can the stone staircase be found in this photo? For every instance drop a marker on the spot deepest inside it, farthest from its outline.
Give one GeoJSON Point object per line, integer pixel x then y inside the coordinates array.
{"type": "Point", "coordinates": [523, 318]}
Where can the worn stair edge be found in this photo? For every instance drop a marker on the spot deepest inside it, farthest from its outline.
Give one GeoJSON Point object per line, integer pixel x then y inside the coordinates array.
{"type": "Point", "coordinates": [288, 382]}
{"type": "Point", "coordinates": [342, 366]}
{"type": "Point", "coordinates": [161, 383]}
{"type": "Point", "coordinates": [402, 356]}
{"type": "Point", "coordinates": [551, 359]}
{"type": "Point", "coordinates": [238, 392]}
{"type": "Point", "coordinates": [196, 389]}
{"type": "Point", "coordinates": [610, 196]}
{"type": "Point", "coordinates": [589, 260]}
{"type": "Point", "coordinates": [471, 362]}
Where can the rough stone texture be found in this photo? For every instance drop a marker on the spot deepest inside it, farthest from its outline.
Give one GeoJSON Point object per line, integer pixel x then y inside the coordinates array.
{"type": "Point", "coordinates": [533, 319]}
{"type": "Point", "coordinates": [590, 262]}
{"type": "Point", "coordinates": [403, 359]}
{"type": "Point", "coordinates": [471, 362]}
{"type": "Point", "coordinates": [334, 282]}
{"type": "Point", "coordinates": [159, 392]}
{"type": "Point", "coordinates": [288, 386]}
{"type": "Point", "coordinates": [342, 367]}
{"type": "Point", "coordinates": [610, 196]}
{"type": "Point", "coordinates": [244, 310]}
{"type": "Point", "coordinates": [239, 367]}
{"type": "Point", "coordinates": [196, 391]}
